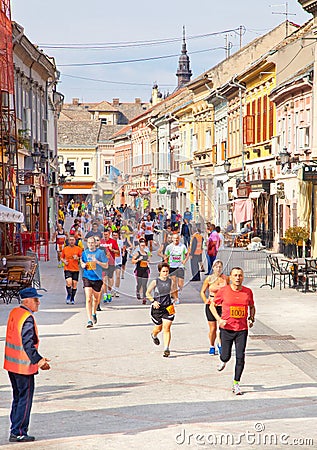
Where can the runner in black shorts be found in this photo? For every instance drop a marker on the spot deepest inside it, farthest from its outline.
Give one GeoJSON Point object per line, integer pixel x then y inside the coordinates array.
{"type": "Point", "coordinates": [73, 275]}
{"type": "Point", "coordinates": [178, 272]}
{"type": "Point", "coordinates": [213, 283]}
{"type": "Point", "coordinates": [162, 310]}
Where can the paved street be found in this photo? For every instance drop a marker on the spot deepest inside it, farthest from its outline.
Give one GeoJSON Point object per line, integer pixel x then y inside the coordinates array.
{"type": "Point", "coordinates": [110, 387]}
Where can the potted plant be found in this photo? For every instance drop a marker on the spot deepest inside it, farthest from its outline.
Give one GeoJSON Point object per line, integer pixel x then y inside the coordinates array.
{"type": "Point", "coordinates": [296, 236]}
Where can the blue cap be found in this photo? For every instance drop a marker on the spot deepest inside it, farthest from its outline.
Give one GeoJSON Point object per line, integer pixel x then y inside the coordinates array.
{"type": "Point", "coordinates": [29, 292]}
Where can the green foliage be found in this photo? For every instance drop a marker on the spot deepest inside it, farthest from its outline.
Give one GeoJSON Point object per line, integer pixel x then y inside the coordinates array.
{"type": "Point", "coordinates": [296, 235]}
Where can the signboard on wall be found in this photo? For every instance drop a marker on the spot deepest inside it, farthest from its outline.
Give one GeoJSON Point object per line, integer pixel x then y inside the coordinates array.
{"type": "Point", "coordinates": [310, 173]}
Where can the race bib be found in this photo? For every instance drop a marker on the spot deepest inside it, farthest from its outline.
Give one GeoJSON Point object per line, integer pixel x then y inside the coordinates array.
{"type": "Point", "coordinates": [176, 258]}
{"type": "Point", "coordinates": [143, 264]}
{"type": "Point", "coordinates": [237, 312]}
{"type": "Point", "coordinates": [170, 309]}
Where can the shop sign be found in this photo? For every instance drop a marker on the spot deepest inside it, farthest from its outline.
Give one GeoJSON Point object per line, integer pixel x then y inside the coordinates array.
{"type": "Point", "coordinates": [310, 173]}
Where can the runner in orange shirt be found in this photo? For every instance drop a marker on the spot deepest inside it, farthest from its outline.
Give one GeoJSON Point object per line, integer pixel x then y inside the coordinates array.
{"type": "Point", "coordinates": [70, 256]}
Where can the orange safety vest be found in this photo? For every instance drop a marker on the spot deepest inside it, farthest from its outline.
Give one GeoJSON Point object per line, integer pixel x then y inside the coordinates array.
{"type": "Point", "coordinates": [199, 245]}
{"type": "Point", "coordinates": [15, 358]}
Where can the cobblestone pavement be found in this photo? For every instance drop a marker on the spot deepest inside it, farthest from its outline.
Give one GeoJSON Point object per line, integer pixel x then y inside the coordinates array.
{"type": "Point", "coordinates": [110, 387]}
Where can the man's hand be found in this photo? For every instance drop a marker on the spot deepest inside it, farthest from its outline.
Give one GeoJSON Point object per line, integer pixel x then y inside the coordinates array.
{"type": "Point", "coordinates": [222, 323]}
{"type": "Point", "coordinates": [44, 364]}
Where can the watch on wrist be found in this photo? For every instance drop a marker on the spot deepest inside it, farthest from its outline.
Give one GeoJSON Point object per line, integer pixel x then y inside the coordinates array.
{"type": "Point", "coordinates": [251, 319]}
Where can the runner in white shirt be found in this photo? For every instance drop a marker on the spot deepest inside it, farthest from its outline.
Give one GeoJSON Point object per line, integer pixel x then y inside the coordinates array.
{"type": "Point", "coordinates": [176, 256]}
{"type": "Point", "coordinates": [148, 232]}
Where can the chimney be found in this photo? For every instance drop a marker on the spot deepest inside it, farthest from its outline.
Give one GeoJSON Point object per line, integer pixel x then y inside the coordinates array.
{"type": "Point", "coordinates": [115, 102]}
{"type": "Point", "coordinates": [138, 101]}
{"type": "Point", "coordinates": [75, 101]}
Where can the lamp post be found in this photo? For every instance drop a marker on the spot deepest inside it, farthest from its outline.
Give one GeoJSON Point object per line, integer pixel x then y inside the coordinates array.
{"type": "Point", "coordinates": [197, 171]}
{"type": "Point", "coordinates": [285, 157]}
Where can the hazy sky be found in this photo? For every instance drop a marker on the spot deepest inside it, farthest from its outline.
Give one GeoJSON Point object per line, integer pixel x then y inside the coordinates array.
{"type": "Point", "coordinates": [69, 22]}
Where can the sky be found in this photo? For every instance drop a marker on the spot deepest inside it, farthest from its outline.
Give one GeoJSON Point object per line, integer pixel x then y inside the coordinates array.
{"type": "Point", "coordinates": [115, 32]}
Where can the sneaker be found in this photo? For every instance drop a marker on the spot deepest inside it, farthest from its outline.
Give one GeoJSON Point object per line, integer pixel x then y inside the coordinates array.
{"type": "Point", "coordinates": [144, 301]}
{"type": "Point", "coordinates": [68, 299]}
{"type": "Point", "coordinates": [155, 339]}
{"type": "Point", "coordinates": [212, 351]}
{"type": "Point", "coordinates": [166, 353]}
{"type": "Point", "coordinates": [72, 301]}
{"type": "Point", "coordinates": [23, 438]}
{"type": "Point", "coordinates": [221, 366]}
{"type": "Point", "coordinates": [60, 265]}
{"type": "Point", "coordinates": [109, 298]}
{"type": "Point", "coordinates": [98, 308]}
{"type": "Point", "coordinates": [219, 349]}
{"type": "Point", "coordinates": [90, 324]}
{"type": "Point", "coordinates": [236, 389]}
{"type": "Point", "coordinates": [177, 301]}
{"type": "Point", "coordinates": [94, 318]}
{"type": "Point", "coordinates": [105, 298]}
{"type": "Point", "coordinates": [115, 294]}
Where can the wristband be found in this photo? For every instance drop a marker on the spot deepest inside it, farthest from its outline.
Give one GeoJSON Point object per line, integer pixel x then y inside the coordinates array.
{"type": "Point", "coordinates": [251, 319]}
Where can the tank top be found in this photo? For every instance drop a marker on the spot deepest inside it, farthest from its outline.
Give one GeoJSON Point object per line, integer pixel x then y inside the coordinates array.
{"type": "Point", "coordinates": [60, 237]}
{"type": "Point", "coordinates": [162, 292]}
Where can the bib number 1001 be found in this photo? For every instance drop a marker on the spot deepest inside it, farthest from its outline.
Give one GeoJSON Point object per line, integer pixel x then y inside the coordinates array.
{"type": "Point", "coordinates": [237, 311]}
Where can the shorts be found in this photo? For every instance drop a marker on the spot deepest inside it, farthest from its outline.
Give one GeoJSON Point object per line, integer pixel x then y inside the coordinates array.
{"type": "Point", "coordinates": [157, 315]}
{"type": "Point", "coordinates": [110, 271]}
{"type": "Point", "coordinates": [210, 316]}
{"type": "Point", "coordinates": [124, 259]}
{"type": "Point", "coordinates": [96, 285]}
{"type": "Point", "coordinates": [178, 272]}
{"type": "Point", "coordinates": [148, 237]}
{"type": "Point", "coordinates": [74, 275]}
{"type": "Point", "coordinates": [118, 266]}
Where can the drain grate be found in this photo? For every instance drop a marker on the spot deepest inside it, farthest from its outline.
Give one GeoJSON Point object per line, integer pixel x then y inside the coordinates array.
{"type": "Point", "coordinates": [273, 337]}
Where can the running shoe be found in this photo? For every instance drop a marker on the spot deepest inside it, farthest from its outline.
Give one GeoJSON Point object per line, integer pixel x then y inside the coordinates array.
{"type": "Point", "coordinates": [236, 389]}
{"type": "Point", "coordinates": [212, 351]}
{"type": "Point", "coordinates": [155, 339]}
{"type": "Point", "coordinates": [144, 301]}
{"type": "Point", "coordinates": [68, 299]}
{"type": "Point", "coordinates": [90, 324]}
{"type": "Point", "coordinates": [94, 318]}
{"type": "Point", "coordinates": [219, 349]}
{"type": "Point", "coordinates": [72, 301]}
{"type": "Point", "coordinates": [98, 308]}
{"type": "Point", "coordinates": [105, 298]}
{"type": "Point", "coordinates": [166, 353]}
{"type": "Point", "coordinates": [221, 366]}
{"type": "Point", "coordinates": [177, 301]}
{"type": "Point", "coordinates": [109, 298]}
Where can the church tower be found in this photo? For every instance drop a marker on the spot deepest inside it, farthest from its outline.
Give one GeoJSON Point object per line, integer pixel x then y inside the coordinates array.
{"type": "Point", "coordinates": [183, 72]}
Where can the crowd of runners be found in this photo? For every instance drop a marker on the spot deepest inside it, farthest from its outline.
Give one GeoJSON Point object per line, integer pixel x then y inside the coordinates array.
{"type": "Point", "coordinates": [108, 241]}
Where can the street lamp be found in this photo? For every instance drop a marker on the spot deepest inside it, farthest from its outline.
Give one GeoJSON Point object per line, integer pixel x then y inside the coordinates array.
{"type": "Point", "coordinates": [197, 171]}
{"type": "Point", "coordinates": [285, 157]}
{"type": "Point", "coordinates": [227, 165]}
{"type": "Point", "coordinates": [68, 166]}
{"type": "Point", "coordinates": [36, 154]}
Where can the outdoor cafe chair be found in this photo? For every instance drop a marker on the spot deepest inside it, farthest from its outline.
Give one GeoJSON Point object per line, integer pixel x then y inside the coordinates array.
{"type": "Point", "coordinates": [280, 271]}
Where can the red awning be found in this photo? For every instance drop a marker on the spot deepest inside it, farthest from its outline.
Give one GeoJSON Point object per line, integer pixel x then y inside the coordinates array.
{"type": "Point", "coordinates": [243, 210]}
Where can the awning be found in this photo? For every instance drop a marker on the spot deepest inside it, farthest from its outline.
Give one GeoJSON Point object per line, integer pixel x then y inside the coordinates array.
{"type": "Point", "coordinates": [243, 210]}
{"type": "Point", "coordinates": [256, 194]}
{"type": "Point", "coordinates": [75, 191]}
{"type": "Point", "coordinates": [9, 215]}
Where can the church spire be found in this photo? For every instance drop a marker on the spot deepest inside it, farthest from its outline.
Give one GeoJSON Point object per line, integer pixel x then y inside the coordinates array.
{"type": "Point", "coordinates": [183, 72]}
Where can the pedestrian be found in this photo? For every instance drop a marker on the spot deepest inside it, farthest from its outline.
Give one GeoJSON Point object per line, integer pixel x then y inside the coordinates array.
{"type": "Point", "coordinates": [177, 256]}
{"type": "Point", "coordinates": [213, 283]}
{"type": "Point", "coordinates": [94, 231]}
{"type": "Point", "coordinates": [238, 314]}
{"type": "Point", "coordinates": [188, 215]}
{"type": "Point", "coordinates": [185, 232]}
{"type": "Point", "coordinates": [162, 309]}
{"type": "Point", "coordinates": [195, 252]}
{"type": "Point", "coordinates": [93, 260]}
{"type": "Point", "coordinates": [70, 256]}
{"type": "Point", "coordinates": [22, 361]}
{"type": "Point", "coordinates": [142, 271]}
{"type": "Point", "coordinates": [213, 245]}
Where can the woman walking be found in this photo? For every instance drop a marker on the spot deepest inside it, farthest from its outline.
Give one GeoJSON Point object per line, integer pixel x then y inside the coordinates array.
{"type": "Point", "coordinates": [142, 270]}
{"type": "Point", "coordinates": [213, 283]}
{"type": "Point", "coordinates": [162, 310]}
